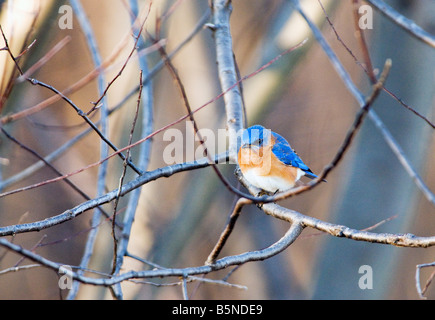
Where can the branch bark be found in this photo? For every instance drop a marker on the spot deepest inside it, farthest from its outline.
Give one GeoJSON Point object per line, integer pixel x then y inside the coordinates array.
{"type": "Point", "coordinates": [221, 11]}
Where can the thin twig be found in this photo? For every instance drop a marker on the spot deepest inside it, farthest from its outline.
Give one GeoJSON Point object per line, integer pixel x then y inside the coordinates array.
{"type": "Point", "coordinates": [88, 121]}
{"type": "Point", "coordinates": [10, 52]}
{"type": "Point", "coordinates": [363, 44]}
{"type": "Point", "coordinates": [44, 59]}
{"type": "Point", "coordinates": [15, 269]}
{"type": "Point", "coordinates": [36, 245]}
{"type": "Point", "coordinates": [48, 165]}
{"type": "Point", "coordinates": [228, 229]}
{"type": "Point", "coordinates": [137, 37]}
{"type": "Point", "coordinates": [121, 179]}
{"type": "Point", "coordinates": [418, 114]}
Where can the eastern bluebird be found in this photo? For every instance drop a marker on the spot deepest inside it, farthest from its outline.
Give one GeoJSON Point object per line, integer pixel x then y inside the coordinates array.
{"type": "Point", "coordinates": [268, 162]}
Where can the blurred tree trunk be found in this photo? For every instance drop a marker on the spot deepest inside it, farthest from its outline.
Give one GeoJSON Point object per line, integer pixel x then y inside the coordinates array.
{"type": "Point", "coordinates": [378, 187]}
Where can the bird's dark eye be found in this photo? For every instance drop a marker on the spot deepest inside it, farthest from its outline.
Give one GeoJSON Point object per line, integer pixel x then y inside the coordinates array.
{"type": "Point", "coordinates": [258, 142]}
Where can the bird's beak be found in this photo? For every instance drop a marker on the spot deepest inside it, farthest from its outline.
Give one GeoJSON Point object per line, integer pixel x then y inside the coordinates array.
{"type": "Point", "coordinates": [246, 146]}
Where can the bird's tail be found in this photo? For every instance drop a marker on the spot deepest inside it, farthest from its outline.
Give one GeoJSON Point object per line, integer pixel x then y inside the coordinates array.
{"type": "Point", "coordinates": [311, 175]}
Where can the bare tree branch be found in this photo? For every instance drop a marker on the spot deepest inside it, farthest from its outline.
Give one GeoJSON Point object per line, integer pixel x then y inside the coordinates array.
{"type": "Point", "coordinates": [293, 232]}
{"type": "Point", "coordinates": [221, 11]}
{"type": "Point", "coordinates": [108, 197]}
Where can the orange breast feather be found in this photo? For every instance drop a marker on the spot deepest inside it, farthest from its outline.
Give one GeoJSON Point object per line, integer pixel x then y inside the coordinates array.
{"type": "Point", "coordinates": [264, 163]}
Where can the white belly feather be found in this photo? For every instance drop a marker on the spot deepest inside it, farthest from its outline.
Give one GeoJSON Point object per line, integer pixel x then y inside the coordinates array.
{"type": "Point", "coordinates": [270, 183]}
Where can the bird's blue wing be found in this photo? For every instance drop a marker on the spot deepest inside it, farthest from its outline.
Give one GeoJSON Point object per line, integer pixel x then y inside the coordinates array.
{"type": "Point", "coordinates": [283, 151]}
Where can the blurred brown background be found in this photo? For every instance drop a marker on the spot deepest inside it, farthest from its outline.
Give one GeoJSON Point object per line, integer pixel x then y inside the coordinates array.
{"type": "Point", "coordinates": [179, 219]}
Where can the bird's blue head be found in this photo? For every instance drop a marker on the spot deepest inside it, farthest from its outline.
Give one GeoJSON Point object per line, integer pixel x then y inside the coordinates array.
{"type": "Point", "coordinates": [256, 136]}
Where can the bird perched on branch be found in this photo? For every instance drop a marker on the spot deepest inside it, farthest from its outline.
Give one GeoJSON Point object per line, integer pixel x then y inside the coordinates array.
{"type": "Point", "coordinates": [268, 162]}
